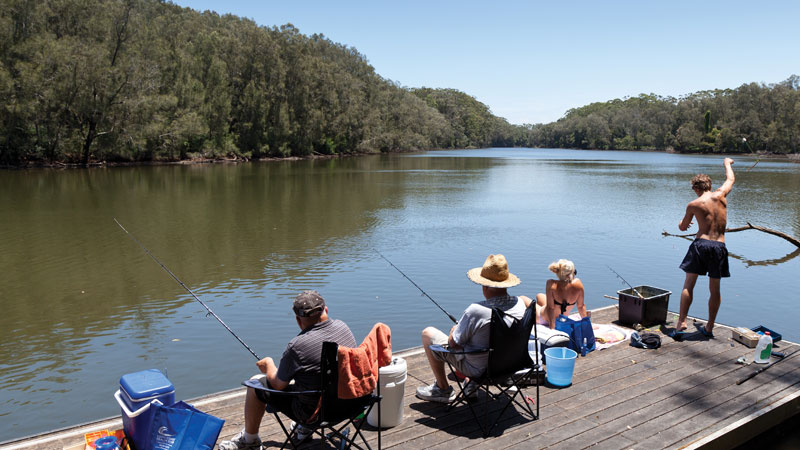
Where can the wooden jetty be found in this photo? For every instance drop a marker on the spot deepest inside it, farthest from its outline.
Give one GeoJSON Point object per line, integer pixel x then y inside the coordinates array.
{"type": "Point", "coordinates": [682, 395]}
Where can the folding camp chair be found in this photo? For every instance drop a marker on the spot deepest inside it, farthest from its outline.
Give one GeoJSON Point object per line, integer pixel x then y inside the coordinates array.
{"type": "Point", "coordinates": [334, 414]}
{"type": "Point", "coordinates": [510, 367]}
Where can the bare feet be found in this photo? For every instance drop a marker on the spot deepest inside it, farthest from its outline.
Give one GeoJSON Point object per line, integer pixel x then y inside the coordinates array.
{"type": "Point", "coordinates": [681, 326]}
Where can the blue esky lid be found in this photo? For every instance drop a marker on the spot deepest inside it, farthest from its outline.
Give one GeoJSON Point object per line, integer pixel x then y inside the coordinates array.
{"type": "Point", "coordinates": [147, 383]}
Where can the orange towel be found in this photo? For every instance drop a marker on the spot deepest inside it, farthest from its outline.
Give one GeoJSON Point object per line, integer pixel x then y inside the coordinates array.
{"type": "Point", "coordinates": [358, 367]}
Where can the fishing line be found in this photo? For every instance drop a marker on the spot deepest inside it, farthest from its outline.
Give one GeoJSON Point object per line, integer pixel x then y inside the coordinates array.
{"type": "Point", "coordinates": [751, 151]}
{"type": "Point", "coordinates": [623, 280]}
{"type": "Point", "coordinates": [417, 286]}
{"type": "Point", "coordinates": [210, 312]}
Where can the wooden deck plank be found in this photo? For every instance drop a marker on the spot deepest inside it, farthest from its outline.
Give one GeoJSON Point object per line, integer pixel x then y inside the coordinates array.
{"type": "Point", "coordinates": [555, 434]}
{"type": "Point", "coordinates": [715, 412]}
{"type": "Point", "coordinates": [615, 443]}
{"type": "Point", "coordinates": [695, 401]}
{"type": "Point", "coordinates": [455, 423]}
{"type": "Point", "coordinates": [620, 408]}
{"type": "Point", "coordinates": [760, 417]}
{"type": "Point", "coordinates": [631, 374]}
{"type": "Point", "coordinates": [603, 404]}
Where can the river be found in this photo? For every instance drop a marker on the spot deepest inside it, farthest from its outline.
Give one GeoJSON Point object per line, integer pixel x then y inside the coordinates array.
{"type": "Point", "coordinates": [82, 304]}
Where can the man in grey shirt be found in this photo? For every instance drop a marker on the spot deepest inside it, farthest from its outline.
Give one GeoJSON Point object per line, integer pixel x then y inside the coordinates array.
{"type": "Point", "coordinates": [300, 362]}
{"type": "Point", "coordinates": [472, 331]}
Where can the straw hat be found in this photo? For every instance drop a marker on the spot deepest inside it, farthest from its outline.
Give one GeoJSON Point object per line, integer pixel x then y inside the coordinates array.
{"type": "Point", "coordinates": [494, 273]}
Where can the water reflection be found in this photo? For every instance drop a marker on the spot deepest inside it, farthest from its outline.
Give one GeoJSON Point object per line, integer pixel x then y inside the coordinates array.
{"type": "Point", "coordinates": [768, 262]}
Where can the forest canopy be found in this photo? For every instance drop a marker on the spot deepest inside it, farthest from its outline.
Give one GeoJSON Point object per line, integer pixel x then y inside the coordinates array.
{"type": "Point", "coordinates": [146, 80]}
{"type": "Point", "coordinates": [753, 117]}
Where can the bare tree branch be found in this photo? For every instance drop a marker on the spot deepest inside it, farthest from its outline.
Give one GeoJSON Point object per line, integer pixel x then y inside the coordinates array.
{"type": "Point", "coordinates": [749, 226]}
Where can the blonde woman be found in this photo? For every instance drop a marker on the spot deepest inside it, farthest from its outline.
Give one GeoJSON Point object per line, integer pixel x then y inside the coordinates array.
{"type": "Point", "coordinates": [561, 294]}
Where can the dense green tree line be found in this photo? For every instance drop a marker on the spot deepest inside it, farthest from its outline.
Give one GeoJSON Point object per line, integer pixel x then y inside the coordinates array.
{"type": "Point", "coordinates": [752, 117]}
{"type": "Point", "coordinates": [141, 80]}
{"type": "Point", "coordinates": [146, 80]}
{"type": "Point", "coordinates": [473, 125]}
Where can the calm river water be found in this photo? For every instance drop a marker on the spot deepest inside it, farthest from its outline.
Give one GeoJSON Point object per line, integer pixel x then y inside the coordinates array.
{"type": "Point", "coordinates": [82, 304]}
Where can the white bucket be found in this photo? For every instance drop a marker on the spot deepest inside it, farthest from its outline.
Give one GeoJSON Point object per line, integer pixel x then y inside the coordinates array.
{"type": "Point", "coordinates": [393, 382]}
{"type": "Point", "coordinates": [547, 338]}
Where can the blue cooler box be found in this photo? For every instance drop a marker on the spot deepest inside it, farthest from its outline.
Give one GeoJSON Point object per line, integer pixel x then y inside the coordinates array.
{"type": "Point", "coordinates": [136, 392]}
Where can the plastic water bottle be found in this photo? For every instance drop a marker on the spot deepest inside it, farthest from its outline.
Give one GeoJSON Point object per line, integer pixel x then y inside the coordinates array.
{"type": "Point", "coordinates": [763, 349]}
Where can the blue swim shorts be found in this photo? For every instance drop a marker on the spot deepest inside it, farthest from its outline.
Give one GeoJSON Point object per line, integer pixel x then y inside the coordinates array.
{"type": "Point", "coordinates": [706, 256]}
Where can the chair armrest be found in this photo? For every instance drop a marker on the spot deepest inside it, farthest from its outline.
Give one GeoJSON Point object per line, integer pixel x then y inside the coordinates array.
{"type": "Point", "coordinates": [444, 349]}
{"type": "Point", "coordinates": [255, 384]}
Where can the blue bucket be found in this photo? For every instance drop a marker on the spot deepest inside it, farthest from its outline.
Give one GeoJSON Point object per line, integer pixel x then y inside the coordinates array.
{"type": "Point", "coordinates": [560, 364]}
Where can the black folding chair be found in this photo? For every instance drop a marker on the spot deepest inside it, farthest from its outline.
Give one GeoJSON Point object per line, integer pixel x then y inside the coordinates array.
{"type": "Point", "coordinates": [334, 415]}
{"type": "Point", "coordinates": [510, 368]}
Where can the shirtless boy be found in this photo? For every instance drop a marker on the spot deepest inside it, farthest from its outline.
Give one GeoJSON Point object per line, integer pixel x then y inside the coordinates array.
{"type": "Point", "coordinates": [707, 253]}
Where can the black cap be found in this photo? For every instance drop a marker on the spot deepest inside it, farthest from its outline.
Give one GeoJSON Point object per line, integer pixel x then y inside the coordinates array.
{"type": "Point", "coordinates": [308, 303]}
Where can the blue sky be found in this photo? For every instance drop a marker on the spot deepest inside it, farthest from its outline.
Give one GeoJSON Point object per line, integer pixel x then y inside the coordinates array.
{"type": "Point", "coordinates": [531, 61]}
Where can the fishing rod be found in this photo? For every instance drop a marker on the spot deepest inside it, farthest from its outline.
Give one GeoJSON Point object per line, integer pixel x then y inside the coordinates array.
{"type": "Point", "coordinates": [747, 377]}
{"type": "Point", "coordinates": [210, 312]}
{"type": "Point", "coordinates": [623, 280]}
{"type": "Point", "coordinates": [415, 285]}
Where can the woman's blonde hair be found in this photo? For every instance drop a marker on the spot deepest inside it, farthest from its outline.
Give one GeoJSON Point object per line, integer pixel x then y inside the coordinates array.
{"type": "Point", "coordinates": [564, 269]}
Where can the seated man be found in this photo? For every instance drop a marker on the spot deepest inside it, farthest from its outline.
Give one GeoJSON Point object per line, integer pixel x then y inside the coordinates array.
{"type": "Point", "coordinates": [300, 362]}
{"type": "Point", "coordinates": [472, 331]}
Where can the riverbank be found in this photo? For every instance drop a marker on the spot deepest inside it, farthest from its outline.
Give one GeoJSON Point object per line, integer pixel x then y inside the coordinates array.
{"type": "Point", "coordinates": [227, 160]}
{"type": "Point", "coordinates": [790, 157]}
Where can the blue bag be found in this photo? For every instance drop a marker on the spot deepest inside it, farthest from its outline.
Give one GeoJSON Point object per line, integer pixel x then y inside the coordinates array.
{"type": "Point", "coordinates": [182, 427]}
{"type": "Point", "coordinates": [581, 334]}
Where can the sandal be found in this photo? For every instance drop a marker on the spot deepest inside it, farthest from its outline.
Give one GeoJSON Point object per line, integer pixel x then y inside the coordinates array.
{"type": "Point", "coordinates": [701, 327]}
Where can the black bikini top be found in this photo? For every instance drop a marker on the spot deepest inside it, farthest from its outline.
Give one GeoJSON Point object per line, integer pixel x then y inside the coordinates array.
{"type": "Point", "coordinates": [563, 305]}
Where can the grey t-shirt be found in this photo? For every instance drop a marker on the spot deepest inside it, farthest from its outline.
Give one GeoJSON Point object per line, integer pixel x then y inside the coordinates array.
{"type": "Point", "coordinates": [472, 331]}
{"type": "Point", "coordinates": [301, 359]}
